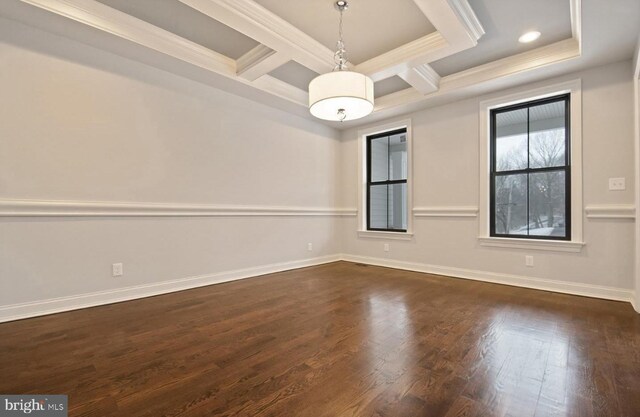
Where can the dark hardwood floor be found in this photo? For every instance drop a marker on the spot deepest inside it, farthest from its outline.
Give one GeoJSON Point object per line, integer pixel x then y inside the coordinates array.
{"type": "Point", "coordinates": [335, 340]}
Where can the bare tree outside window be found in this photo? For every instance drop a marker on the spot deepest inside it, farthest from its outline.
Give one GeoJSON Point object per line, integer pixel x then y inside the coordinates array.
{"type": "Point", "coordinates": [530, 170]}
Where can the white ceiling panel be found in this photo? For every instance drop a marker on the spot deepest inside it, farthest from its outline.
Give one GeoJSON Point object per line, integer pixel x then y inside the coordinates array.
{"type": "Point", "coordinates": [389, 85]}
{"type": "Point", "coordinates": [504, 21]}
{"type": "Point", "coordinates": [371, 27]}
{"type": "Point", "coordinates": [188, 23]}
{"type": "Point", "coordinates": [295, 74]}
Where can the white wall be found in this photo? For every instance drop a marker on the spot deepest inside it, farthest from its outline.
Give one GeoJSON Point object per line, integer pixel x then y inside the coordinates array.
{"type": "Point", "coordinates": [636, 92]}
{"type": "Point", "coordinates": [80, 124]}
{"type": "Point", "coordinates": [445, 174]}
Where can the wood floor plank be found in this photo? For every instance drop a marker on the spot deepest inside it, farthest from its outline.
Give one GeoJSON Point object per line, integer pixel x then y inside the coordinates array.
{"type": "Point", "coordinates": [340, 339]}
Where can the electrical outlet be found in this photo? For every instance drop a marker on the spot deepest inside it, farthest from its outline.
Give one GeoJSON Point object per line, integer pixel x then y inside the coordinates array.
{"type": "Point", "coordinates": [117, 270]}
{"type": "Point", "coordinates": [617, 184]}
{"type": "Point", "coordinates": [528, 260]}
{"type": "Point", "coordinates": [386, 247]}
{"type": "Point", "coordinates": [309, 246]}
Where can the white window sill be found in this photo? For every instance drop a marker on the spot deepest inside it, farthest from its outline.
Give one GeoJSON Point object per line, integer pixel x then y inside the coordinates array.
{"type": "Point", "coordinates": [532, 244]}
{"type": "Point", "coordinates": [372, 234]}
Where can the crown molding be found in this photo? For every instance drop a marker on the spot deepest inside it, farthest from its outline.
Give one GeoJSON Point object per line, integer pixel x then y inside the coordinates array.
{"type": "Point", "coordinates": [575, 7]}
{"type": "Point", "coordinates": [457, 29]}
{"type": "Point", "coordinates": [422, 50]}
{"type": "Point", "coordinates": [423, 78]}
{"type": "Point", "coordinates": [259, 61]}
{"type": "Point", "coordinates": [253, 20]}
{"type": "Point", "coordinates": [455, 20]}
{"type": "Point", "coordinates": [540, 57]}
{"type": "Point", "coordinates": [115, 22]}
{"type": "Point", "coordinates": [46, 208]}
{"type": "Point", "coordinates": [282, 90]}
{"type": "Point", "coordinates": [468, 19]}
{"type": "Point", "coordinates": [399, 98]}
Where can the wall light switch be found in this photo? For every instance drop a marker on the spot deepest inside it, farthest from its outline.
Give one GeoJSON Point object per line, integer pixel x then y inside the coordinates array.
{"type": "Point", "coordinates": [528, 260]}
{"type": "Point", "coordinates": [117, 270]}
{"type": "Point", "coordinates": [386, 247]}
{"type": "Point", "coordinates": [309, 246]}
{"type": "Point", "coordinates": [617, 184]}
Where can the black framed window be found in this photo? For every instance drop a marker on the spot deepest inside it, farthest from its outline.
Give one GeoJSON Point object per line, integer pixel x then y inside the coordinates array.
{"type": "Point", "coordinates": [387, 181]}
{"type": "Point", "coordinates": [530, 170]}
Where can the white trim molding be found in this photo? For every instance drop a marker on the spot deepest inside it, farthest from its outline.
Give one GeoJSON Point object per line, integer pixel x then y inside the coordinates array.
{"type": "Point", "coordinates": [43, 208]}
{"type": "Point", "coordinates": [446, 211]}
{"type": "Point", "coordinates": [636, 119]}
{"type": "Point", "coordinates": [521, 95]}
{"type": "Point", "coordinates": [611, 211]}
{"type": "Point", "coordinates": [374, 234]}
{"type": "Point", "coordinates": [75, 302]}
{"type": "Point", "coordinates": [362, 171]}
{"type": "Point", "coordinates": [512, 65]}
{"type": "Point", "coordinates": [565, 287]}
{"type": "Point", "coordinates": [532, 244]}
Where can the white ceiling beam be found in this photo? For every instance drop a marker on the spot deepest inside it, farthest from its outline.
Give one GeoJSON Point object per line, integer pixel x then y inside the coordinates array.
{"type": "Point", "coordinates": [525, 61]}
{"type": "Point", "coordinates": [473, 77]}
{"type": "Point", "coordinates": [423, 78]}
{"type": "Point", "coordinates": [115, 22]}
{"type": "Point", "coordinates": [456, 24]}
{"type": "Point", "coordinates": [454, 19]}
{"type": "Point", "coordinates": [458, 29]}
{"type": "Point", "coordinates": [254, 21]}
{"type": "Point", "coordinates": [576, 21]}
{"type": "Point", "coordinates": [399, 98]}
{"type": "Point", "coordinates": [418, 52]}
{"type": "Point", "coordinates": [259, 61]}
{"type": "Point", "coordinates": [282, 90]}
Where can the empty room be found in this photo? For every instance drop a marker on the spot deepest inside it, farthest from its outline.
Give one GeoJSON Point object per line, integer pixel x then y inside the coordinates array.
{"type": "Point", "coordinates": [320, 208]}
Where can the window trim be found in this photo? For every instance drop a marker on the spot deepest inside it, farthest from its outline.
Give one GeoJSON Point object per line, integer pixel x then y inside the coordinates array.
{"type": "Point", "coordinates": [370, 182]}
{"type": "Point", "coordinates": [565, 98]}
{"type": "Point", "coordinates": [362, 231]}
{"type": "Point", "coordinates": [575, 243]}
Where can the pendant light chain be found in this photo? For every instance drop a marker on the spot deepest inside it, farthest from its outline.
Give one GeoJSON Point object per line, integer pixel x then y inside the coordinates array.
{"type": "Point", "coordinates": [340, 57]}
{"type": "Point", "coordinates": [342, 94]}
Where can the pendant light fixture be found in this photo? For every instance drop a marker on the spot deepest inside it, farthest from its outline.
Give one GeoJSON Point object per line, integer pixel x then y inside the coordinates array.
{"type": "Point", "coordinates": [342, 94]}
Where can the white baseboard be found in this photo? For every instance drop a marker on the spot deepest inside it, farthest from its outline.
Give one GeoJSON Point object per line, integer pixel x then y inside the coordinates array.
{"type": "Point", "coordinates": [75, 302]}
{"type": "Point", "coordinates": [635, 302]}
{"type": "Point", "coordinates": [587, 290]}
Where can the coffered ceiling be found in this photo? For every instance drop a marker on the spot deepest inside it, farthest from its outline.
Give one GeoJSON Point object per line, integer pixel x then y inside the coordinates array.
{"type": "Point", "coordinates": [418, 52]}
{"type": "Point", "coordinates": [552, 18]}
{"type": "Point", "coordinates": [371, 27]}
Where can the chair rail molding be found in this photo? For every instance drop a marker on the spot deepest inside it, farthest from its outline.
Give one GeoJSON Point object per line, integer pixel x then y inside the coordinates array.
{"type": "Point", "coordinates": [446, 211]}
{"type": "Point", "coordinates": [44, 208]}
{"type": "Point", "coordinates": [611, 211]}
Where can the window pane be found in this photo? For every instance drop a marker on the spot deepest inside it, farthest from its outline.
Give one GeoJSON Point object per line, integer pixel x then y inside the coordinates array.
{"type": "Point", "coordinates": [511, 140]}
{"type": "Point", "coordinates": [547, 135]}
{"type": "Point", "coordinates": [398, 156]}
{"type": "Point", "coordinates": [511, 204]}
{"type": "Point", "coordinates": [378, 206]}
{"type": "Point", "coordinates": [379, 159]}
{"type": "Point", "coordinates": [397, 206]}
{"type": "Point", "coordinates": [547, 214]}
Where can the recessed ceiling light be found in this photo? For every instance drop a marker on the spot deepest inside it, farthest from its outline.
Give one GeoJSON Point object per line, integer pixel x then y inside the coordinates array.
{"type": "Point", "coordinates": [529, 37]}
